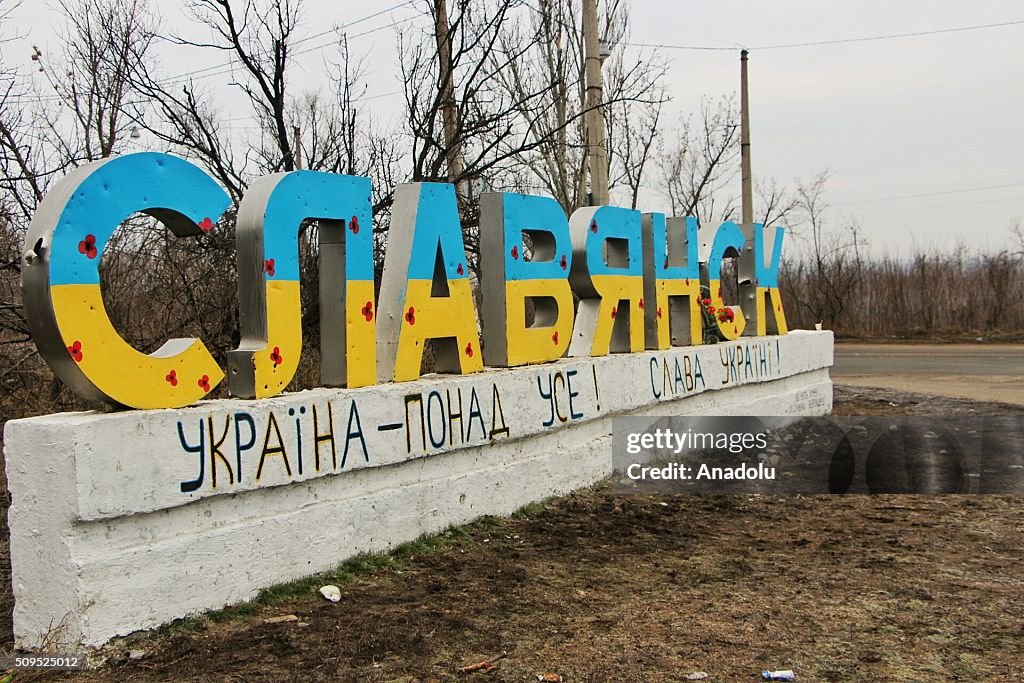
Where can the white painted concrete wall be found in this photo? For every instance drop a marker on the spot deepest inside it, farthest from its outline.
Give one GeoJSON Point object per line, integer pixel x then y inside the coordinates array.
{"type": "Point", "coordinates": [107, 538]}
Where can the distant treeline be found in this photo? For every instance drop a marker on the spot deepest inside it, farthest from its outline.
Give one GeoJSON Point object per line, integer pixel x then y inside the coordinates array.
{"type": "Point", "coordinates": [928, 295]}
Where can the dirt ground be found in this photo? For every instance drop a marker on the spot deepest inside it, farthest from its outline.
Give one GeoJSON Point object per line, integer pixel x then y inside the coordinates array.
{"type": "Point", "coordinates": [600, 586]}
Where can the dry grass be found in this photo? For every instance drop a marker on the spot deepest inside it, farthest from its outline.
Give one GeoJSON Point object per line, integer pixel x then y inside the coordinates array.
{"type": "Point", "coordinates": [931, 294]}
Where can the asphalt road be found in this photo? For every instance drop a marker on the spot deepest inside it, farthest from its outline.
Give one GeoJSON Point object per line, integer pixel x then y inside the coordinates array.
{"type": "Point", "coordinates": [984, 372]}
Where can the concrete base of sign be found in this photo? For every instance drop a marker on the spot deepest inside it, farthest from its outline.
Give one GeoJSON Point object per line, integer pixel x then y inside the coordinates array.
{"type": "Point", "coordinates": [119, 521]}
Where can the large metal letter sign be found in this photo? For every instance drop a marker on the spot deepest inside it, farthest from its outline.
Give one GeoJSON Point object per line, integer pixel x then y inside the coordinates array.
{"type": "Point", "coordinates": [270, 219]}
{"type": "Point", "coordinates": [637, 277]}
{"type": "Point", "coordinates": [424, 291]}
{"type": "Point", "coordinates": [768, 296]}
{"type": "Point", "coordinates": [728, 241]}
{"type": "Point", "coordinates": [510, 277]}
{"type": "Point", "coordinates": [607, 274]}
{"type": "Point", "coordinates": [61, 279]}
{"type": "Point", "coordinates": [665, 245]}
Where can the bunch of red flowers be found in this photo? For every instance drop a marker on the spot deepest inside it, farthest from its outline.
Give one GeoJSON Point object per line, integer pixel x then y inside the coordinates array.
{"type": "Point", "coordinates": [724, 315]}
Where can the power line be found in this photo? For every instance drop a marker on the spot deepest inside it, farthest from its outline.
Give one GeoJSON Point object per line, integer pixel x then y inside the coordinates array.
{"type": "Point", "coordinates": [187, 74]}
{"type": "Point", "coordinates": [838, 41]}
{"type": "Point", "coordinates": [922, 209]}
{"type": "Point", "coordinates": [666, 46]}
{"type": "Point", "coordinates": [254, 124]}
{"type": "Point", "coordinates": [219, 69]}
{"type": "Point", "coordinates": [930, 194]}
{"type": "Point", "coordinates": [231, 65]}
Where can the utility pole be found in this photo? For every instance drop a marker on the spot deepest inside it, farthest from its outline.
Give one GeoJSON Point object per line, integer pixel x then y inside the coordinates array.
{"type": "Point", "coordinates": [597, 152]}
{"type": "Point", "coordinates": [297, 153]}
{"type": "Point", "coordinates": [748, 192]}
{"type": "Point", "coordinates": [746, 268]}
{"type": "Point", "coordinates": [449, 112]}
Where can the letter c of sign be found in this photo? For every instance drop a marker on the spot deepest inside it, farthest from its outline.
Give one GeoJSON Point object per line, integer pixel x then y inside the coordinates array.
{"type": "Point", "coordinates": [61, 279]}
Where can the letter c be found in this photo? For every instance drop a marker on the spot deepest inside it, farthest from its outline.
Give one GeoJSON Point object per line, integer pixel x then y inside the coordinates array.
{"type": "Point", "coordinates": [61, 279]}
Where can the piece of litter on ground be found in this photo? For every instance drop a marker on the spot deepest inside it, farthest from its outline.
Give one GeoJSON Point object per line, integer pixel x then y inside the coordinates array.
{"type": "Point", "coordinates": [282, 619]}
{"type": "Point", "coordinates": [697, 676]}
{"type": "Point", "coordinates": [549, 678]}
{"type": "Point", "coordinates": [331, 592]}
{"type": "Point", "coordinates": [487, 666]}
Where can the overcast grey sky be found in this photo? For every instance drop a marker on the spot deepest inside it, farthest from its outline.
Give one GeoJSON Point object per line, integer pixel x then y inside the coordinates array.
{"type": "Point", "coordinates": [921, 134]}
{"type": "Point", "coordinates": [892, 119]}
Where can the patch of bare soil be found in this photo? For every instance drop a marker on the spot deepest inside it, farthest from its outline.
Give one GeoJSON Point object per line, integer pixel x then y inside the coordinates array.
{"type": "Point", "coordinates": [600, 586]}
{"type": "Point", "coordinates": [858, 400]}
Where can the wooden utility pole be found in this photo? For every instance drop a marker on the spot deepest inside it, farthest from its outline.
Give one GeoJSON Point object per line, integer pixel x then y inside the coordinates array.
{"type": "Point", "coordinates": [748, 192]}
{"type": "Point", "coordinates": [297, 149]}
{"type": "Point", "coordinates": [597, 153]}
{"type": "Point", "coordinates": [449, 112]}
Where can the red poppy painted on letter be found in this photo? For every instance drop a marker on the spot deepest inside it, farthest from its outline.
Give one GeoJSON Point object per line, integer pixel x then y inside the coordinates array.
{"type": "Point", "coordinates": [88, 246]}
{"type": "Point", "coordinates": [76, 351]}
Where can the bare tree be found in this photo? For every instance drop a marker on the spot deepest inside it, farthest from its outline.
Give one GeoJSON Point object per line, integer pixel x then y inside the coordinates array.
{"type": "Point", "coordinates": [1018, 237]}
{"type": "Point", "coordinates": [834, 258]}
{"type": "Point", "coordinates": [78, 118]}
{"type": "Point", "coordinates": [698, 163]}
{"type": "Point", "coordinates": [551, 65]}
{"type": "Point", "coordinates": [20, 192]}
{"type": "Point", "coordinates": [102, 39]}
{"type": "Point", "coordinates": [256, 37]}
{"type": "Point", "coordinates": [463, 129]}
{"type": "Point", "coordinates": [636, 95]}
{"type": "Point", "coordinates": [776, 204]}
{"type": "Point", "coordinates": [75, 113]}
{"type": "Point", "coordinates": [546, 83]}
{"type": "Point", "coordinates": [259, 37]}
{"type": "Point", "coordinates": [484, 127]}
